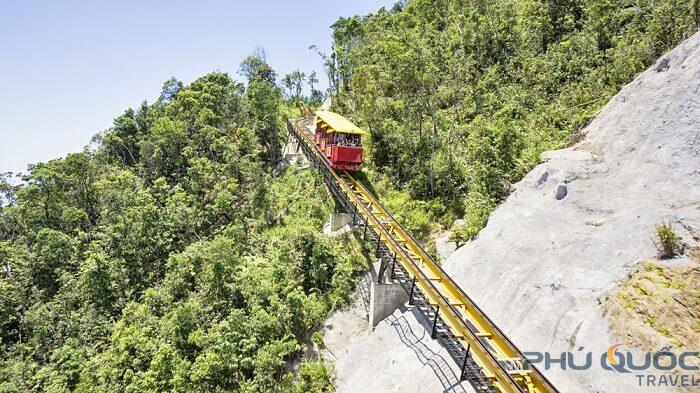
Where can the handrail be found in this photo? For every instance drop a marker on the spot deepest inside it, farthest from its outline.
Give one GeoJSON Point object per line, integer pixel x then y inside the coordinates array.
{"type": "Point", "coordinates": [506, 347]}
{"type": "Point", "coordinates": [488, 344]}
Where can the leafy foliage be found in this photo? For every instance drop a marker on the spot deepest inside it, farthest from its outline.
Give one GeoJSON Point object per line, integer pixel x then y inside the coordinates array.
{"type": "Point", "coordinates": [461, 97]}
{"type": "Point", "coordinates": [667, 241]}
{"type": "Point", "coordinates": [169, 259]}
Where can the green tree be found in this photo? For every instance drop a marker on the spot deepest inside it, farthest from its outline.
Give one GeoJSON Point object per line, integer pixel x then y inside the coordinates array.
{"type": "Point", "coordinates": [255, 67]}
{"type": "Point", "coordinates": [121, 143]}
{"type": "Point", "coordinates": [263, 112]}
{"type": "Point", "coordinates": [169, 91]}
{"type": "Point", "coordinates": [294, 83]}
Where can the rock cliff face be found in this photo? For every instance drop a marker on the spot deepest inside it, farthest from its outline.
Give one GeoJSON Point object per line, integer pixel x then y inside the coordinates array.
{"type": "Point", "coordinates": [576, 226]}
{"type": "Point", "coordinates": [580, 222]}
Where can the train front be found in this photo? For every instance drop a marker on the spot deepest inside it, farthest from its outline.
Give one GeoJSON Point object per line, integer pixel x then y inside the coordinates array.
{"type": "Point", "coordinates": [339, 140]}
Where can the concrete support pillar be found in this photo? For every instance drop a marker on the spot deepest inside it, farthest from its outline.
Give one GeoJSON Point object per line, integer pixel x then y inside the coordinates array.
{"type": "Point", "coordinates": [292, 154]}
{"type": "Point", "coordinates": [337, 221]}
{"type": "Point", "coordinates": [385, 298]}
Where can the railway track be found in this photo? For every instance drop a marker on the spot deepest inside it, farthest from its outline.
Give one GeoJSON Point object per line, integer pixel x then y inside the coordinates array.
{"type": "Point", "coordinates": [488, 359]}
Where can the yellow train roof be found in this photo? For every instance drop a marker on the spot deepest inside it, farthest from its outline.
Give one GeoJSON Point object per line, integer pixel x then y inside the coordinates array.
{"type": "Point", "coordinates": [338, 123]}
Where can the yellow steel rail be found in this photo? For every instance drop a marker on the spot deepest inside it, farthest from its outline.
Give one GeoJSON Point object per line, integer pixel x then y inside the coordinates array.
{"type": "Point", "coordinates": [501, 362]}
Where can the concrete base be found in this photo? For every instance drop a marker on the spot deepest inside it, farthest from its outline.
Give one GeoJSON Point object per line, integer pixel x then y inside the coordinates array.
{"type": "Point", "coordinates": [291, 155]}
{"type": "Point", "coordinates": [338, 223]}
{"type": "Point", "coordinates": [385, 298]}
{"type": "Point", "coordinates": [339, 220]}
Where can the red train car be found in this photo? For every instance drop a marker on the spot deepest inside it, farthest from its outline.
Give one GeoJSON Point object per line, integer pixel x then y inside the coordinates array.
{"type": "Point", "coordinates": [339, 140]}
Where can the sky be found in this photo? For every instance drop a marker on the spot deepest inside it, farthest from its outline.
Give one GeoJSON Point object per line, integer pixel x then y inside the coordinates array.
{"type": "Point", "coordinates": [68, 68]}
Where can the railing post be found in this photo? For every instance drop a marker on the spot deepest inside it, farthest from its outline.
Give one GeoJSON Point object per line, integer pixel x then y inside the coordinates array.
{"type": "Point", "coordinates": [433, 332]}
{"type": "Point", "coordinates": [380, 275]}
{"type": "Point", "coordinates": [393, 266]}
{"type": "Point", "coordinates": [364, 235]}
{"type": "Point", "coordinates": [379, 241]}
{"type": "Point", "coordinates": [410, 296]}
{"type": "Point", "coordinates": [464, 364]}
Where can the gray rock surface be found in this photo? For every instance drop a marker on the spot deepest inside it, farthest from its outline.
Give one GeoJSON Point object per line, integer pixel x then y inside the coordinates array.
{"type": "Point", "coordinates": [578, 223]}
{"type": "Point", "coordinates": [542, 264]}
{"type": "Point", "coordinates": [399, 356]}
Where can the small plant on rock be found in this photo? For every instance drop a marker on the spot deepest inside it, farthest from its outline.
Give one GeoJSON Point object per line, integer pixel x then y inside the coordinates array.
{"type": "Point", "coordinates": [667, 241]}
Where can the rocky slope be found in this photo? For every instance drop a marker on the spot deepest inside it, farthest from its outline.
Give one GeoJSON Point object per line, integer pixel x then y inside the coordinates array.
{"type": "Point", "coordinates": [579, 222]}
{"type": "Point", "coordinates": [574, 228]}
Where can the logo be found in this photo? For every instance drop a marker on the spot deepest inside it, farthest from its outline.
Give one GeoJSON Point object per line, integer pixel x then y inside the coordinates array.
{"type": "Point", "coordinates": [645, 365]}
{"type": "Point", "coordinates": [611, 354]}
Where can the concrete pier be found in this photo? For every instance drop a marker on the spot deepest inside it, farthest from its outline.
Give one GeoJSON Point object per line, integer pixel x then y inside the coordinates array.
{"type": "Point", "coordinates": [385, 297]}
{"type": "Point", "coordinates": [338, 223]}
{"type": "Point", "coordinates": [291, 154]}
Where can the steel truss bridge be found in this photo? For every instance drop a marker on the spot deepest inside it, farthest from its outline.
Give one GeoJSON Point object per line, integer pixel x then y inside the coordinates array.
{"type": "Point", "coordinates": [489, 361]}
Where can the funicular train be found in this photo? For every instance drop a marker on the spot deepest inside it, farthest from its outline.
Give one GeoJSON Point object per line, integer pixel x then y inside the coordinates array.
{"type": "Point", "coordinates": [339, 140]}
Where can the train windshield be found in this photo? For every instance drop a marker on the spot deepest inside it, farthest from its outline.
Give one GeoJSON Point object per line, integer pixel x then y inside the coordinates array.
{"type": "Point", "coordinates": [350, 140]}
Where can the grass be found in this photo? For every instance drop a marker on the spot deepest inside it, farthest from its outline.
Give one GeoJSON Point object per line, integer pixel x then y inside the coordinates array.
{"type": "Point", "coordinates": [667, 241]}
{"type": "Point", "coordinates": [656, 305]}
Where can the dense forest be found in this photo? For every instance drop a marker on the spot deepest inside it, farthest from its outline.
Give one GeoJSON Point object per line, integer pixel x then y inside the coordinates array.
{"type": "Point", "coordinates": [168, 258]}
{"type": "Point", "coordinates": [461, 97]}
{"type": "Point", "coordinates": [171, 255]}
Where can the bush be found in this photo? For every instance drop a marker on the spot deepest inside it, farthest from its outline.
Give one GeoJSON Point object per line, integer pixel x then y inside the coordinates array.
{"type": "Point", "coordinates": [314, 377]}
{"type": "Point", "coordinates": [667, 241]}
{"type": "Point", "coordinates": [478, 209]}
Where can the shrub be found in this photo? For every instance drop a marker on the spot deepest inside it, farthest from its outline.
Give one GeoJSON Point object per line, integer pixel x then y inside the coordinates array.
{"type": "Point", "coordinates": [314, 377]}
{"type": "Point", "coordinates": [667, 241]}
{"type": "Point", "coordinates": [317, 339]}
{"type": "Point", "coordinates": [479, 207]}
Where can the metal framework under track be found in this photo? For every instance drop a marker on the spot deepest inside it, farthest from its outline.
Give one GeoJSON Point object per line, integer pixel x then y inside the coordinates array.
{"type": "Point", "coordinates": [488, 359]}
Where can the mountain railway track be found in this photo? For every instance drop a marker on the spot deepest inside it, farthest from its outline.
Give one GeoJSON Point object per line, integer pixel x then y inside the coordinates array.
{"type": "Point", "coordinates": [489, 361]}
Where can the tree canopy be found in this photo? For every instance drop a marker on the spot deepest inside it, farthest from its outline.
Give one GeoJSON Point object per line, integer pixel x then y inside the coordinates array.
{"type": "Point", "coordinates": [168, 258]}
{"type": "Point", "coordinates": [461, 97]}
